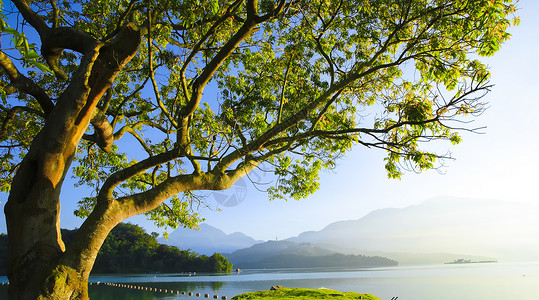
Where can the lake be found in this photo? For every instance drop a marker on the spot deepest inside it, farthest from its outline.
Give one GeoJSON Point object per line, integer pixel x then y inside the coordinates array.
{"type": "Point", "coordinates": [490, 281]}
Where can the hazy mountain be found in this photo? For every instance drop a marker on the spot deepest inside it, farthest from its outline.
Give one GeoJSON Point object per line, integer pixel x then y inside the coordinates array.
{"type": "Point", "coordinates": [208, 240]}
{"type": "Point", "coordinates": [439, 230]}
{"type": "Point", "coordinates": [271, 248]}
{"type": "Point", "coordinates": [286, 254]}
{"type": "Point", "coordinates": [443, 225]}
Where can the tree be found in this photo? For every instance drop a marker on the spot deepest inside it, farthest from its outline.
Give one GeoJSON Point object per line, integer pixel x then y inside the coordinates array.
{"type": "Point", "coordinates": [129, 249]}
{"type": "Point", "coordinates": [293, 78]}
{"type": "Point", "coordinates": [218, 263]}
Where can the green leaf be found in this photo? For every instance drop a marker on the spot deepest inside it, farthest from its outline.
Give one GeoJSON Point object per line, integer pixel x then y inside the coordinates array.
{"type": "Point", "coordinates": [32, 54]}
{"type": "Point", "coordinates": [41, 66]}
{"type": "Point", "coordinates": [10, 30]}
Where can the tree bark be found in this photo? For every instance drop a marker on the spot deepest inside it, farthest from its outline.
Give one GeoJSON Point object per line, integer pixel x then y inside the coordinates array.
{"type": "Point", "coordinates": [33, 211]}
{"type": "Point", "coordinates": [39, 267]}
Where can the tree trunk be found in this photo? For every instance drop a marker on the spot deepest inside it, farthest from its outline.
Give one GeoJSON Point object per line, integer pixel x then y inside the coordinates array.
{"type": "Point", "coordinates": [38, 268]}
{"type": "Point", "coordinates": [39, 265]}
{"type": "Point", "coordinates": [32, 211]}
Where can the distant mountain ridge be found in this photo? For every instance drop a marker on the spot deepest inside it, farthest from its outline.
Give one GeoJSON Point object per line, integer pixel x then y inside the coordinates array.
{"type": "Point", "coordinates": [271, 248]}
{"type": "Point", "coordinates": [286, 254]}
{"type": "Point", "coordinates": [484, 228]}
{"type": "Point", "coordinates": [208, 240]}
{"type": "Point", "coordinates": [438, 230]}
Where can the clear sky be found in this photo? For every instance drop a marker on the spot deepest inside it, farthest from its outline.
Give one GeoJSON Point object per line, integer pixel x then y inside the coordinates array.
{"type": "Point", "coordinates": [500, 164]}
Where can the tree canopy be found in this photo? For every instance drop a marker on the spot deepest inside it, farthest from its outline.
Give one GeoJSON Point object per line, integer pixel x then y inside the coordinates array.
{"type": "Point", "coordinates": [153, 100]}
{"type": "Point", "coordinates": [287, 81]}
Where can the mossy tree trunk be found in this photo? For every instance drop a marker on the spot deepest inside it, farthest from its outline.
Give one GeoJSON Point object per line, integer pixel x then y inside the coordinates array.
{"type": "Point", "coordinates": [40, 266]}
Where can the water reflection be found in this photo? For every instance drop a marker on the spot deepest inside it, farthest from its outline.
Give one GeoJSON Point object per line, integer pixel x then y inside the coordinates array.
{"type": "Point", "coordinates": [441, 282]}
{"type": "Point", "coordinates": [154, 290]}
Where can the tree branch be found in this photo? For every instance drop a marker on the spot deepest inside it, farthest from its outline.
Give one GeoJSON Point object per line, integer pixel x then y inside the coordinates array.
{"type": "Point", "coordinates": [132, 131]}
{"type": "Point", "coordinates": [120, 21]}
{"type": "Point", "coordinates": [229, 13]}
{"type": "Point", "coordinates": [31, 17]}
{"type": "Point", "coordinates": [208, 71]}
{"type": "Point", "coordinates": [164, 110]}
{"type": "Point", "coordinates": [118, 177]}
{"type": "Point", "coordinates": [55, 40]}
{"type": "Point", "coordinates": [147, 200]}
{"type": "Point", "coordinates": [103, 130]}
{"type": "Point", "coordinates": [25, 85]}
{"type": "Point", "coordinates": [281, 100]}
{"type": "Point", "coordinates": [55, 12]}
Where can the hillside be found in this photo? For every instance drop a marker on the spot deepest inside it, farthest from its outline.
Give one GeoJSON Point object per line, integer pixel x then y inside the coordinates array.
{"type": "Point", "coordinates": [286, 254]}
{"type": "Point", "coordinates": [271, 248]}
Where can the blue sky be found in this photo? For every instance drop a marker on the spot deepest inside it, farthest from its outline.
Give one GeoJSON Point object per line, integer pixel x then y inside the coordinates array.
{"type": "Point", "coordinates": [500, 164]}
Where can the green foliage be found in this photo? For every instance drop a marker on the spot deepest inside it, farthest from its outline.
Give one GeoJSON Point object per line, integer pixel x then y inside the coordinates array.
{"type": "Point", "coordinates": [129, 249]}
{"type": "Point", "coordinates": [218, 91]}
{"type": "Point", "coordinates": [299, 293]}
{"type": "Point", "coordinates": [28, 53]}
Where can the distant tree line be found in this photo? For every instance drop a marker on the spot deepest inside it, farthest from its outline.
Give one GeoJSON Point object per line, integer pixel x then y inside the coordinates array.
{"type": "Point", "coordinates": [129, 249]}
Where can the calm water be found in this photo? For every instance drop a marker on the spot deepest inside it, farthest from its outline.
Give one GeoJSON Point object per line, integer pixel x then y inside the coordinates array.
{"type": "Point", "coordinates": [496, 281]}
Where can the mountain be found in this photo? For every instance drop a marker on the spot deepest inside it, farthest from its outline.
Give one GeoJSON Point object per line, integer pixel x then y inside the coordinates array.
{"type": "Point", "coordinates": [438, 230]}
{"type": "Point", "coordinates": [271, 248]}
{"type": "Point", "coordinates": [208, 240]}
{"type": "Point", "coordinates": [442, 225]}
{"type": "Point", "coordinates": [286, 254]}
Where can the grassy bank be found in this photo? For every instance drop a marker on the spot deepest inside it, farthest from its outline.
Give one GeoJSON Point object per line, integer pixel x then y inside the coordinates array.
{"type": "Point", "coordinates": [296, 293]}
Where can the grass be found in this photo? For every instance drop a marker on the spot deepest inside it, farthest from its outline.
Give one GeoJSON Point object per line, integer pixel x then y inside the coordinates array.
{"type": "Point", "coordinates": [296, 293]}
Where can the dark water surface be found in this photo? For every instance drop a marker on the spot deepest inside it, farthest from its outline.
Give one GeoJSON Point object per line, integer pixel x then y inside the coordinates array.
{"type": "Point", "coordinates": [493, 281]}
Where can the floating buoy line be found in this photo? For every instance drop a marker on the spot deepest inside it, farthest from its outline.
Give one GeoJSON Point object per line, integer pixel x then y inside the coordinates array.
{"type": "Point", "coordinates": [156, 290]}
